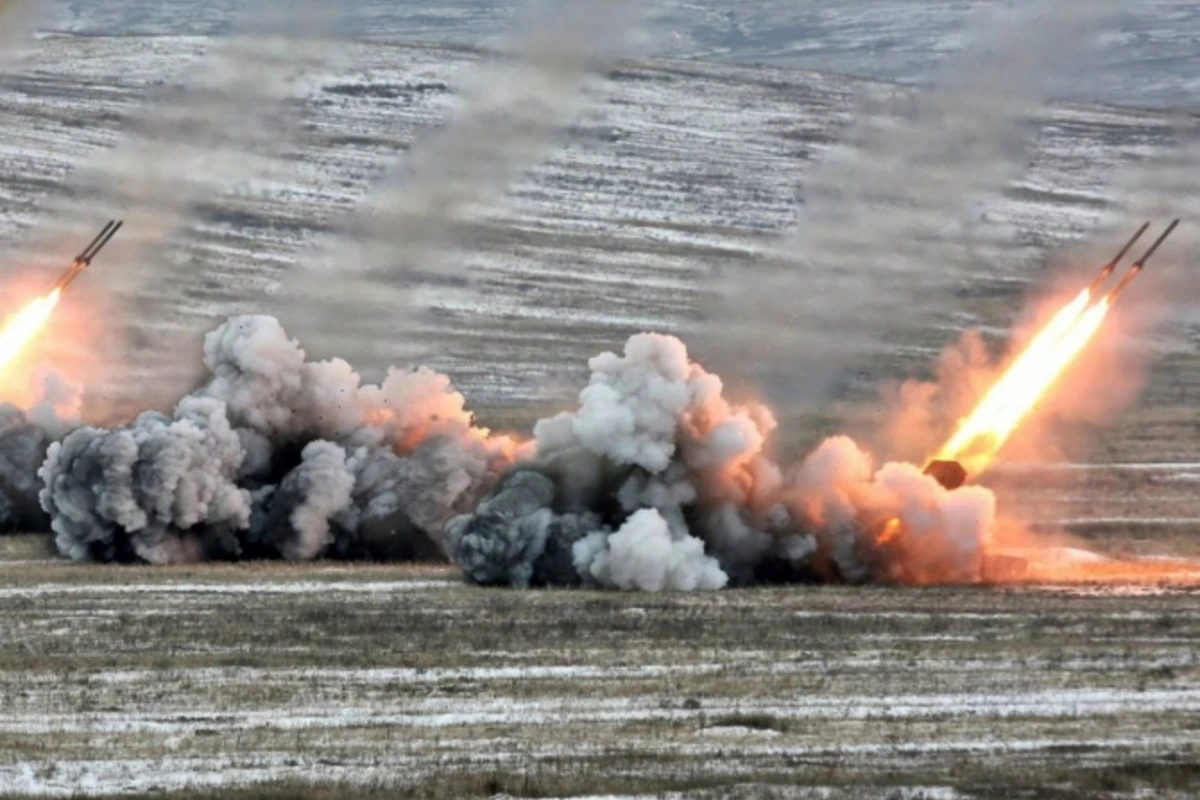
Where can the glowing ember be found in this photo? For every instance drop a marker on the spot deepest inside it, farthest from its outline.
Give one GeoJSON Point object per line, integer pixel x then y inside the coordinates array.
{"type": "Point", "coordinates": [891, 530]}
{"type": "Point", "coordinates": [19, 330]}
{"type": "Point", "coordinates": [984, 432]}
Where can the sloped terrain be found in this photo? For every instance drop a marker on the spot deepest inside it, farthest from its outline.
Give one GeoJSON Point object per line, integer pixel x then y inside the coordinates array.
{"type": "Point", "coordinates": [1151, 59]}
{"type": "Point", "coordinates": [678, 168]}
{"type": "Point", "coordinates": [370, 679]}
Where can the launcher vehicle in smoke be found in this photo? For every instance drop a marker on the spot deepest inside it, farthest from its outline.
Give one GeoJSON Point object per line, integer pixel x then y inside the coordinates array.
{"type": "Point", "coordinates": [84, 259]}
{"type": "Point", "coordinates": [950, 472]}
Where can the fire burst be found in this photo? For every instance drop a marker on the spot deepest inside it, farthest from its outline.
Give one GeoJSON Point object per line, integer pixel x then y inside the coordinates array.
{"type": "Point", "coordinates": [981, 435]}
{"type": "Point", "coordinates": [20, 330]}
{"type": "Point", "coordinates": [984, 432]}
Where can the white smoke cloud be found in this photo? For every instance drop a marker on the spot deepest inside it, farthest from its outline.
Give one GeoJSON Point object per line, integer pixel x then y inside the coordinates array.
{"type": "Point", "coordinates": [643, 555]}
{"type": "Point", "coordinates": [630, 412]}
{"type": "Point", "coordinates": [657, 482]}
{"type": "Point", "coordinates": [322, 487]}
{"type": "Point", "coordinates": [943, 535]}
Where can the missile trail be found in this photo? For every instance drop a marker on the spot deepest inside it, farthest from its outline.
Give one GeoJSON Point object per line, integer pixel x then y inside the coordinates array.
{"type": "Point", "coordinates": [980, 437]}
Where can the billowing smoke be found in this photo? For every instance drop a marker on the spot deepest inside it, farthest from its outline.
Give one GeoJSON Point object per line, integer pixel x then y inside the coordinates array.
{"type": "Point", "coordinates": [273, 457]}
{"type": "Point", "coordinates": [657, 482]}
{"type": "Point", "coordinates": [920, 415]}
{"type": "Point", "coordinates": [25, 437]}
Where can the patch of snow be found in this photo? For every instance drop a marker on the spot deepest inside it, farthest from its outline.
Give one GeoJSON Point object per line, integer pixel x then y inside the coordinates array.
{"type": "Point", "coordinates": [296, 587]}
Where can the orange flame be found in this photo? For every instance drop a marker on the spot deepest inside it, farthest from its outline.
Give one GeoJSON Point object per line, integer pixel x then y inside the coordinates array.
{"type": "Point", "coordinates": [19, 330]}
{"type": "Point", "coordinates": [981, 435]}
{"type": "Point", "coordinates": [891, 530]}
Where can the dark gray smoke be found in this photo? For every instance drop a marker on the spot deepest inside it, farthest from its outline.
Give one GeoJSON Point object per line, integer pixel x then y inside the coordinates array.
{"type": "Point", "coordinates": [273, 457]}
{"type": "Point", "coordinates": [25, 437]}
{"type": "Point", "coordinates": [657, 482]}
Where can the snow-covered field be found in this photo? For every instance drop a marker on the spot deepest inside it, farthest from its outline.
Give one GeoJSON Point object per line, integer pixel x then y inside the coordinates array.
{"type": "Point", "coordinates": [139, 679]}
{"type": "Point", "coordinates": [386, 679]}
{"type": "Point", "coordinates": [676, 170]}
{"type": "Point", "coordinates": [1151, 58]}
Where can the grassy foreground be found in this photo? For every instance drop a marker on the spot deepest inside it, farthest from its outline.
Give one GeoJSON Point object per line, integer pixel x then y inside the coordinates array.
{"type": "Point", "coordinates": [328, 681]}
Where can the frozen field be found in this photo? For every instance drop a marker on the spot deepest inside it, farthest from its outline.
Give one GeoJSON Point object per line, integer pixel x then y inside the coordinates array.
{"type": "Point", "coordinates": [330, 681]}
{"type": "Point", "coordinates": [1152, 57]}
{"type": "Point", "coordinates": [365, 680]}
{"type": "Point", "coordinates": [678, 169]}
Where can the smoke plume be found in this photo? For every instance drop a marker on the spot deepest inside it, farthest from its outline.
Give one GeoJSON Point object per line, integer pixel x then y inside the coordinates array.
{"type": "Point", "coordinates": [920, 415]}
{"type": "Point", "coordinates": [208, 130]}
{"type": "Point", "coordinates": [273, 457]}
{"type": "Point", "coordinates": [17, 21]}
{"type": "Point", "coordinates": [25, 437]}
{"type": "Point", "coordinates": [398, 249]}
{"type": "Point", "coordinates": [891, 215]}
{"type": "Point", "coordinates": [658, 482]}
{"type": "Point", "coordinates": [196, 139]}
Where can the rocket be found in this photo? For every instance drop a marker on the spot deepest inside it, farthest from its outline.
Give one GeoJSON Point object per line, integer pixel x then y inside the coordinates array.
{"type": "Point", "coordinates": [1140, 264]}
{"type": "Point", "coordinates": [1111, 266]}
{"type": "Point", "coordinates": [951, 474]}
{"type": "Point", "coordinates": [84, 259]}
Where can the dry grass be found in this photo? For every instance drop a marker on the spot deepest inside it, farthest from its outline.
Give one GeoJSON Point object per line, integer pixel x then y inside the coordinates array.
{"type": "Point", "coordinates": [323, 680]}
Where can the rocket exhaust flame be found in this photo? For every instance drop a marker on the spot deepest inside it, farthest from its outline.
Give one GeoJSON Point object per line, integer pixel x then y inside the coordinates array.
{"type": "Point", "coordinates": [20, 330]}
{"type": "Point", "coordinates": [981, 435]}
{"type": "Point", "coordinates": [1011, 398]}
{"type": "Point", "coordinates": [654, 482]}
